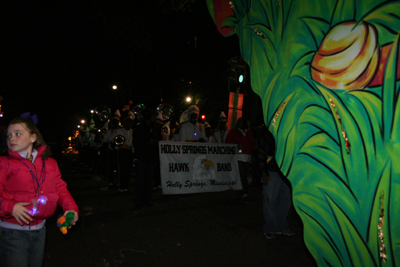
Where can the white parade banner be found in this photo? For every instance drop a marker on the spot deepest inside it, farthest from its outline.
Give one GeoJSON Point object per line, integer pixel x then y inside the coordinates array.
{"type": "Point", "coordinates": [188, 168]}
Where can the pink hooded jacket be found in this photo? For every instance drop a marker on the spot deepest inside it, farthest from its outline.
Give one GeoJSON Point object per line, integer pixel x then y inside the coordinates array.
{"type": "Point", "coordinates": [18, 185]}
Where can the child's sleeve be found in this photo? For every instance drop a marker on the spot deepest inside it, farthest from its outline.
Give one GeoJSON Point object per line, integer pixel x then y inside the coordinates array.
{"type": "Point", "coordinates": [65, 199]}
{"type": "Point", "coordinates": [6, 205]}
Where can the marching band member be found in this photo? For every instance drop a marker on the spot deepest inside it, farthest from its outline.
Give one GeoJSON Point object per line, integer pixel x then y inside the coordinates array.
{"type": "Point", "coordinates": [112, 149]}
{"type": "Point", "coordinates": [192, 131]}
{"type": "Point", "coordinates": [220, 133]}
{"type": "Point", "coordinates": [126, 152]}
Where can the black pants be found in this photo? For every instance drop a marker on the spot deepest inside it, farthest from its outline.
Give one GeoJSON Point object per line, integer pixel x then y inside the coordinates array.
{"type": "Point", "coordinates": [144, 179]}
{"type": "Point", "coordinates": [125, 162]}
{"type": "Point", "coordinates": [244, 172]}
{"type": "Point", "coordinates": [112, 165]}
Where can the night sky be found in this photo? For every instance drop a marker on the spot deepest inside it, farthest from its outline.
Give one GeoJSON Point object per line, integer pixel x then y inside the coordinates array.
{"type": "Point", "coordinates": [60, 59]}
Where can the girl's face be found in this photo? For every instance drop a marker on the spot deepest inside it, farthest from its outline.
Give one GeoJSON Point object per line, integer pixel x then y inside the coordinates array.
{"type": "Point", "coordinates": [19, 139]}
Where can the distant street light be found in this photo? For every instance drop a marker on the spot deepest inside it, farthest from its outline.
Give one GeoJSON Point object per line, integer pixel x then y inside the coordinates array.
{"type": "Point", "coordinates": [82, 121]}
{"type": "Point", "coordinates": [114, 87]}
{"type": "Point", "coordinates": [188, 99]}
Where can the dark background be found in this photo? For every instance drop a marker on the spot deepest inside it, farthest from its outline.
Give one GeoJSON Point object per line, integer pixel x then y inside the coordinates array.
{"type": "Point", "coordinates": [60, 59]}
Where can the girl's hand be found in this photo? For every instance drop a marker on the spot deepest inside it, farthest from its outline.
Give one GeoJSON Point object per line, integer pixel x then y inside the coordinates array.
{"type": "Point", "coordinates": [76, 217]}
{"type": "Point", "coordinates": [22, 214]}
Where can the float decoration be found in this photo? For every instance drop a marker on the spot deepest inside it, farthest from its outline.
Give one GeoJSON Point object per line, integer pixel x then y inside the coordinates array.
{"type": "Point", "coordinates": [299, 51]}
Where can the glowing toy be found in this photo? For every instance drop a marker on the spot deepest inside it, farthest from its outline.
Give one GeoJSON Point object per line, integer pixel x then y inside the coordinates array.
{"type": "Point", "coordinates": [42, 200]}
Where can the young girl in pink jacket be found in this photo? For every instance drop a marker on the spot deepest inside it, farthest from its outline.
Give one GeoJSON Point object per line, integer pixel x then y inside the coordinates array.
{"type": "Point", "coordinates": [30, 189]}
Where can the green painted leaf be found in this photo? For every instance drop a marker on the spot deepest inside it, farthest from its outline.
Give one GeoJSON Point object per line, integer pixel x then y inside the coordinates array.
{"type": "Point", "coordinates": [358, 252]}
{"type": "Point", "coordinates": [344, 11]}
{"type": "Point", "coordinates": [386, 20]}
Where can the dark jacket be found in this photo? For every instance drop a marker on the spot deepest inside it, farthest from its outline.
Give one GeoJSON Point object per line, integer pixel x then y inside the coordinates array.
{"type": "Point", "coordinates": [235, 136]}
{"type": "Point", "coordinates": [145, 141]}
{"type": "Point", "coordinates": [266, 153]}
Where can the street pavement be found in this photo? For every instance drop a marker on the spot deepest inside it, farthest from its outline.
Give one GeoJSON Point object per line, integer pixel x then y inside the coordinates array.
{"type": "Point", "coordinates": [208, 229]}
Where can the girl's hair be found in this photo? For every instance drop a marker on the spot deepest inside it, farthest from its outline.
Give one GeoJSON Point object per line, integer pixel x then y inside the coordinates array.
{"type": "Point", "coordinates": [31, 127]}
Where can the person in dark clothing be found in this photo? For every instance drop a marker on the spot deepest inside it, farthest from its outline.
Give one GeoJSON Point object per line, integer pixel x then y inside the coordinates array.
{"type": "Point", "coordinates": [146, 152]}
{"type": "Point", "coordinates": [243, 137]}
{"type": "Point", "coordinates": [126, 152]}
{"type": "Point", "coordinates": [276, 190]}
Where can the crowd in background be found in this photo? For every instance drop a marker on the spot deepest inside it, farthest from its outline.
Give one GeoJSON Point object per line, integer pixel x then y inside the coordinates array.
{"type": "Point", "coordinates": [124, 144]}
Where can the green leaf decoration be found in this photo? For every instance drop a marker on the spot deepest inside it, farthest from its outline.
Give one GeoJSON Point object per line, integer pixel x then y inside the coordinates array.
{"type": "Point", "coordinates": [339, 149]}
{"type": "Point", "coordinates": [230, 22]}
{"type": "Point", "coordinates": [358, 251]}
{"type": "Point", "coordinates": [344, 11]}
{"type": "Point", "coordinates": [385, 18]}
{"type": "Point", "coordinates": [389, 91]}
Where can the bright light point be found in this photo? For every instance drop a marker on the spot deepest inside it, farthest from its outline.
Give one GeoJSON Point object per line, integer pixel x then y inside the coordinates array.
{"type": "Point", "coordinates": [114, 87]}
{"type": "Point", "coordinates": [91, 111]}
{"type": "Point", "coordinates": [241, 78]}
{"type": "Point", "coordinates": [82, 121]}
{"type": "Point", "coordinates": [188, 99]}
{"type": "Point", "coordinates": [42, 200]}
{"type": "Point", "coordinates": [79, 126]}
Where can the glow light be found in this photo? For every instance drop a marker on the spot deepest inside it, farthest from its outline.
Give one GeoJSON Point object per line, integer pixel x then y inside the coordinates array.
{"type": "Point", "coordinates": [42, 200]}
{"type": "Point", "coordinates": [34, 211]}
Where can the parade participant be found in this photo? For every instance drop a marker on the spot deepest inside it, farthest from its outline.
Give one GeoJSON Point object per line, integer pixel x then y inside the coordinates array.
{"type": "Point", "coordinates": [220, 133]}
{"type": "Point", "coordinates": [243, 137]}
{"type": "Point", "coordinates": [191, 130]}
{"type": "Point", "coordinates": [166, 132]}
{"type": "Point", "coordinates": [146, 152]}
{"type": "Point", "coordinates": [30, 188]}
{"type": "Point", "coordinates": [209, 132]}
{"type": "Point", "coordinates": [165, 129]}
{"type": "Point", "coordinates": [84, 152]}
{"type": "Point", "coordinates": [276, 192]}
{"type": "Point", "coordinates": [125, 110]}
{"type": "Point", "coordinates": [91, 131]}
{"type": "Point", "coordinates": [126, 152]}
{"type": "Point", "coordinates": [99, 160]}
{"type": "Point", "coordinates": [112, 149]}
{"type": "Point", "coordinates": [165, 114]}
{"type": "Point", "coordinates": [79, 143]}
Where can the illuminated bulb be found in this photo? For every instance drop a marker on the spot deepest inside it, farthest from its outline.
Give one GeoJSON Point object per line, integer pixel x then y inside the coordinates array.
{"type": "Point", "coordinates": [42, 200]}
{"type": "Point", "coordinates": [34, 211]}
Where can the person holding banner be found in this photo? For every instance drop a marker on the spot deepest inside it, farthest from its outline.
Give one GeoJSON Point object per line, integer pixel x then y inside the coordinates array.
{"type": "Point", "coordinates": [220, 133]}
{"type": "Point", "coordinates": [244, 138]}
{"type": "Point", "coordinates": [192, 131]}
